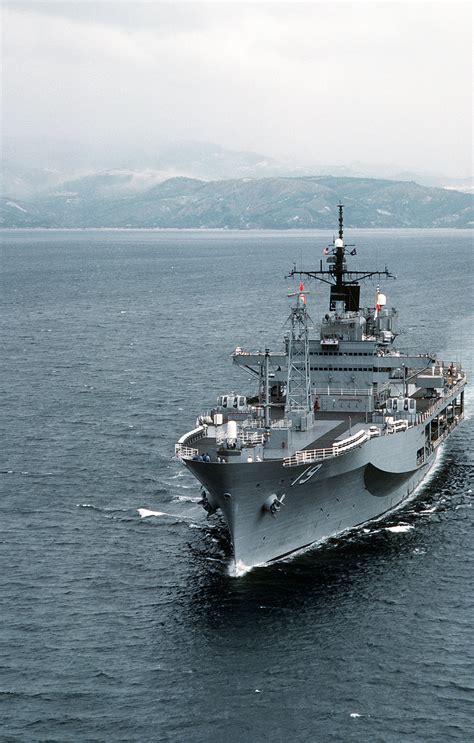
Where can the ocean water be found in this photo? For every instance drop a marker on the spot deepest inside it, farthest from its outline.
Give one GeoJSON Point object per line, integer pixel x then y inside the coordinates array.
{"type": "Point", "coordinates": [120, 620]}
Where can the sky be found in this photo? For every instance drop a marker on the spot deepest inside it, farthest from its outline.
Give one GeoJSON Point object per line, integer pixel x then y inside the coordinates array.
{"type": "Point", "coordinates": [314, 82]}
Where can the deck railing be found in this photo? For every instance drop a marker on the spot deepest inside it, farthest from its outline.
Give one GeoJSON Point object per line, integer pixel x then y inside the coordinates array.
{"type": "Point", "coordinates": [351, 391]}
{"type": "Point", "coordinates": [260, 423]}
{"type": "Point", "coordinates": [308, 456]}
{"type": "Point", "coordinates": [185, 452]}
{"type": "Point", "coordinates": [243, 437]}
{"type": "Point", "coordinates": [182, 449]}
{"type": "Point", "coordinates": [343, 391]}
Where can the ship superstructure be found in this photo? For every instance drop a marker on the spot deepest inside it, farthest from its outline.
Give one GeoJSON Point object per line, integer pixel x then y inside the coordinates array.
{"type": "Point", "coordinates": [342, 427]}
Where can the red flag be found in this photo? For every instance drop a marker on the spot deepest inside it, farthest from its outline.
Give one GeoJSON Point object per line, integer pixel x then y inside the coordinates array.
{"type": "Point", "coordinates": [377, 303]}
{"type": "Point", "coordinates": [301, 286]}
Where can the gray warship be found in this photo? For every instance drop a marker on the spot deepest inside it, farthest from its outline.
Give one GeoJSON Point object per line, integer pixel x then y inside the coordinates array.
{"type": "Point", "coordinates": [342, 429]}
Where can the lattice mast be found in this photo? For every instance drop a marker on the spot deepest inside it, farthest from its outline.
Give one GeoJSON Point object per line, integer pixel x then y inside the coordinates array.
{"type": "Point", "coordinates": [298, 390]}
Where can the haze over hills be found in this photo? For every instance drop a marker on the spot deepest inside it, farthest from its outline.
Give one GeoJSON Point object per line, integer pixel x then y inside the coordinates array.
{"type": "Point", "coordinates": [133, 172]}
{"type": "Point", "coordinates": [62, 165]}
{"type": "Point", "coordinates": [193, 185]}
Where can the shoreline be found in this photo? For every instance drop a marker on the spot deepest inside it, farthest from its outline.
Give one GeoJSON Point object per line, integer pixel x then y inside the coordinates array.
{"type": "Point", "coordinates": [235, 230]}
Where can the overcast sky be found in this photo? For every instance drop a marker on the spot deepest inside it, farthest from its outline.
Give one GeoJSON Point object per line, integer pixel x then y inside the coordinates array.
{"type": "Point", "coordinates": [320, 82]}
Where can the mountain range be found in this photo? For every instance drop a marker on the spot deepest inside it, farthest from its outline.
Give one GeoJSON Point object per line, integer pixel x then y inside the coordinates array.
{"type": "Point", "coordinates": [194, 185]}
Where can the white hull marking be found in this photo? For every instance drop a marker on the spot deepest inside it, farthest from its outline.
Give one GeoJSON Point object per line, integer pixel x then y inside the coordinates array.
{"type": "Point", "coordinates": [306, 475]}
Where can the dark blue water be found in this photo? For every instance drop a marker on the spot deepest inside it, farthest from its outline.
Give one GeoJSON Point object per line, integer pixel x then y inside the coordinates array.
{"type": "Point", "coordinates": [121, 628]}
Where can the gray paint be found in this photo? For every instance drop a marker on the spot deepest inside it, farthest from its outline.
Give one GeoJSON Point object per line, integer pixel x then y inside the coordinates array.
{"type": "Point", "coordinates": [290, 474]}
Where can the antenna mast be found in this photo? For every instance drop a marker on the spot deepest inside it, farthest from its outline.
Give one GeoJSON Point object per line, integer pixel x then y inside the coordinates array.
{"type": "Point", "coordinates": [340, 206]}
{"type": "Point", "coordinates": [345, 289]}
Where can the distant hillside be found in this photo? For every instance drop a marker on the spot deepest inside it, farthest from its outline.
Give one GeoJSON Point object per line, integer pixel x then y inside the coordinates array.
{"type": "Point", "coordinates": [116, 171]}
{"type": "Point", "coordinates": [265, 203]}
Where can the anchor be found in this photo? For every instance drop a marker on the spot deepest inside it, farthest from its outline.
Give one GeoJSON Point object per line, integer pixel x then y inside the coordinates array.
{"type": "Point", "coordinates": [273, 504]}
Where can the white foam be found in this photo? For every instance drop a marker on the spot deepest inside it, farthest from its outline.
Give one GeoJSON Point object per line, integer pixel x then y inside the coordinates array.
{"type": "Point", "coordinates": [355, 714]}
{"type": "Point", "coordinates": [238, 569]}
{"type": "Point", "coordinates": [181, 473]}
{"type": "Point", "coordinates": [399, 528]}
{"type": "Point", "coordinates": [186, 499]}
{"type": "Point", "coordinates": [427, 510]}
{"type": "Point", "coordinates": [145, 513]}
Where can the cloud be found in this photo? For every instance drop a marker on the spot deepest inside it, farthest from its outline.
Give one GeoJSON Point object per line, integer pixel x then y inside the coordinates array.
{"type": "Point", "coordinates": [326, 82]}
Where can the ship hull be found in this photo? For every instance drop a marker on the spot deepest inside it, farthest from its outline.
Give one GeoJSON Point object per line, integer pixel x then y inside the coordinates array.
{"type": "Point", "coordinates": [318, 501]}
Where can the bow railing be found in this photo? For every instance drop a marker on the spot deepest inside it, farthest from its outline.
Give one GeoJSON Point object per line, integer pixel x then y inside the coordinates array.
{"type": "Point", "coordinates": [185, 452]}
{"type": "Point", "coordinates": [307, 456]}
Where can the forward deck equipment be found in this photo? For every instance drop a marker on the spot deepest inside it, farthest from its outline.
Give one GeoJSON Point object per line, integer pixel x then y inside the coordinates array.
{"type": "Point", "coordinates": [342, 429]}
